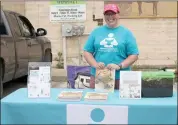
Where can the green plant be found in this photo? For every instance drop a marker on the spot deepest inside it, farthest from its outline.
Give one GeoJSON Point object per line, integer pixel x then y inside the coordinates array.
{"type": "Point", "coordinates": [60, 61]}
{"type": "Point", "coordinates": [176, 71]}
{"type": "Point", "coordinates": [176, 64]}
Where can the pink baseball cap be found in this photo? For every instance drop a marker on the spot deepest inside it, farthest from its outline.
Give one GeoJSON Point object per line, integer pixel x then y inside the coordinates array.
{"type": "Point", "coordinates": [111, 7]}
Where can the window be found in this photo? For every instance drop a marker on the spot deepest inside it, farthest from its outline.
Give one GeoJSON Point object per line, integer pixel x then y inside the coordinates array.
{"type": "Point", "coordinates": [25, 29]}
{"type": "Point", "coordinates": [15, 25]}
{"type": "Point", "coordinates": [3, 30]}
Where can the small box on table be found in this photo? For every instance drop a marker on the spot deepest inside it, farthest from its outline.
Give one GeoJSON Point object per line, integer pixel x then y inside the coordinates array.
{"type": "Point", "coordinates": [70, 96]}
{"type": "Point", "coordinates": [96, 96]}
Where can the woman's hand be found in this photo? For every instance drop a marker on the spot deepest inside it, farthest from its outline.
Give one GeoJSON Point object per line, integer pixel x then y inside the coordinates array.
{"type": "Point", "coordinates": [112, 67]}
{"type": "Point", "coordinates": [100, 65]}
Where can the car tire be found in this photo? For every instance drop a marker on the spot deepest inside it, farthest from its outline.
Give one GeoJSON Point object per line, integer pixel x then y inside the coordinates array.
{"type": "Point", "coordinates": [48, 56]}
{"type": "Point", "coordinates": [1, 77]}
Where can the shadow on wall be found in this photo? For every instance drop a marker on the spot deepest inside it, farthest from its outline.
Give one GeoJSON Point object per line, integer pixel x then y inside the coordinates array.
{"type": "Point", "coordinates": [155, 3]}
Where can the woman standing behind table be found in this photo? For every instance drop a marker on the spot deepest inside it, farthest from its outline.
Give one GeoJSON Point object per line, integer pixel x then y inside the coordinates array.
{"type": "Point", "coordinates": [111, 46]}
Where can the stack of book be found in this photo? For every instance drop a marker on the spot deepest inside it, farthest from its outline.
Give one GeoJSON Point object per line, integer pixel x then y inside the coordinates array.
{"type": "Point", "coordinates": [70, 96]}
{"type": "Point", "coordinates": [95, 96]}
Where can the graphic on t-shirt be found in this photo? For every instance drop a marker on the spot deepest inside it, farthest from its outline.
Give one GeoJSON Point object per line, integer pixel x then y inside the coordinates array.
{"type": "Point", "coordinates": [109, 42]}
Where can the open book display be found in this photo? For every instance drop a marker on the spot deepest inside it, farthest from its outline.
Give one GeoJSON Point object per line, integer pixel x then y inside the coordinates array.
{"type": "Point", "coordinates": [70, 95]}
{"type": "Point", "coordinates": [96, 96]}
{"type": "Point", "coordinates": [105, 80]}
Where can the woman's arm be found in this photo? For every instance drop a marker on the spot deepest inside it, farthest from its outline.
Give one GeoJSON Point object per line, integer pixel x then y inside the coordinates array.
{"type": "Point", "coordinates": [90, 59]}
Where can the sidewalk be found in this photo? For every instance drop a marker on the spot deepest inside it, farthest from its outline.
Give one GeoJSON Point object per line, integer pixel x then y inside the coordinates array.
{"type": "Point", "coordinates": [59, 75]}
{"type": "Point", "coordinates": [59, 78]}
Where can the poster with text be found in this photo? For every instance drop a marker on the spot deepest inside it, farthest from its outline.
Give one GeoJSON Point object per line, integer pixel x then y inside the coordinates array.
{"type": "Point", "coordinates": [130, 85]}
{"type": "Point", "coordinates": [67, 11]}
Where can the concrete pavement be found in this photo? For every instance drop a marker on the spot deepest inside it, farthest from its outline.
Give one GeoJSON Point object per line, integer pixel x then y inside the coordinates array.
{"type": "Point", "coordinates": [59, 78]}
{"type": "Point", "coordinates": [59, 75]}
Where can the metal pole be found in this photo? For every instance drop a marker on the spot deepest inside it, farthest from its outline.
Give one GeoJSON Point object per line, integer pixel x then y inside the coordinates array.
{"type": "Point", "coordinates": [79, 50]}
{"type": "Point", "coordinates": [64, 52]}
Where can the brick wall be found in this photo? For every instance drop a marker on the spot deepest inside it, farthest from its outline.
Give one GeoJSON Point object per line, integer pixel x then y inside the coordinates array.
{"type": "Point", "coordinates": [156, 38]}
{"type": "Point", "coordinates": [18, 6]}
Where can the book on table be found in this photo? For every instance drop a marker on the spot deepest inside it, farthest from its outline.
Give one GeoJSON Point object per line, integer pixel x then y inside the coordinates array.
{"type": "Point", "coordinates": [96, 96]}
{"type": "Point", "coordinates": [130, 85]}
{"type": "Point", "coordinates": [70, 96]}
{"type": "Point", "coordinates": [105, 80]}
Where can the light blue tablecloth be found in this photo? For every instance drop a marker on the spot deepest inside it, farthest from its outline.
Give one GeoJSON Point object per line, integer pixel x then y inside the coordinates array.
{"type": "Point", "coordinates": [17, 108]}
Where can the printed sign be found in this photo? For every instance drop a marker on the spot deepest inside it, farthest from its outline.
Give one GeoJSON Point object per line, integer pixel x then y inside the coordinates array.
{"type": "Point", "coordinates": [68, 11]}
{"type": "Point", "coordinates": [130, 84]}
{"type": "Point", "coordinates": [39, 80]}
{"type": "Point", "coordinates": [96, 114]}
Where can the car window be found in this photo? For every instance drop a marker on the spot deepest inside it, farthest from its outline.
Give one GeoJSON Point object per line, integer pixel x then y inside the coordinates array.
{"type": "Point", "coordinates": [25, 29]}
{"type": "Point", "coordinates": [1, 20]}
{"type": "Point", "coordinates": [15, 24]}
{"type": "Point", "coordinates": [3, 30]}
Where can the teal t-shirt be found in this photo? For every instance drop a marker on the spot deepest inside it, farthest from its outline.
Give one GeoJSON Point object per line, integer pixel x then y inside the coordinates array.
{"type": "Point", "coordinates": [111, 45]}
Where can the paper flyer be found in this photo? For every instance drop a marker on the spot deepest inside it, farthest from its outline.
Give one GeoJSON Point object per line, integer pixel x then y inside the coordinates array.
{"type": "Point", "coordinates": [34, 76]}
{"type": "Point", "coordinates": [44, 74]}
{"type": "Point", "coordinates": [33, 90]}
